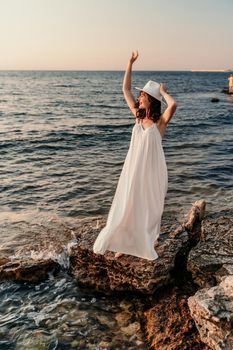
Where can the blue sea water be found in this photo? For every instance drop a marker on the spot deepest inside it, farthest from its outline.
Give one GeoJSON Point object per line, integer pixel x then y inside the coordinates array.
{"type": "Point", "coordinates": [64, 136]}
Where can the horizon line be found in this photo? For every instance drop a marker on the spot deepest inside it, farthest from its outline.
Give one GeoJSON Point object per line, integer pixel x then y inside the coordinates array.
{"type": "Point", "coordinates": [116, 70]}
{"type": "Point", "coordinates": [95, 70]}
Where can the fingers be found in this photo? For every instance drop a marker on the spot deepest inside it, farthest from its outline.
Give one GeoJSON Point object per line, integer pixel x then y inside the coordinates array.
{"type": "Point", "coordinates": [134, 55]}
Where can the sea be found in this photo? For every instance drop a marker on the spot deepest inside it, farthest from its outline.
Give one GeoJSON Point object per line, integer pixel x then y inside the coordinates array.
{"type": "Point", "coordinates": [64, 136]}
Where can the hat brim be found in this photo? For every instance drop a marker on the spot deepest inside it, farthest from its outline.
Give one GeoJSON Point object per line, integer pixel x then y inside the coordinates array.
{"type": "Point", "coordinates": [151, 95]}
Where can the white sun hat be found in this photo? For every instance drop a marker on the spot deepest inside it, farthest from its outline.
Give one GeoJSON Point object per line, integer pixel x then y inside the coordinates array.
{"type": "Point", "coordinates": [153, 89]}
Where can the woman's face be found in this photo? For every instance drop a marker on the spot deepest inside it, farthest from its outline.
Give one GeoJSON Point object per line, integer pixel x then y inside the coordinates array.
{"type": "Point", "coordinates": [143, 100]}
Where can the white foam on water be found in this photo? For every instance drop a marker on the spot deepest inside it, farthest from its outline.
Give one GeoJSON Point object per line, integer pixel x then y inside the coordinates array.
{"type": "Point", "coordinates": [63, 258]}
{"type": "Point", "coordinates": [26, 247]}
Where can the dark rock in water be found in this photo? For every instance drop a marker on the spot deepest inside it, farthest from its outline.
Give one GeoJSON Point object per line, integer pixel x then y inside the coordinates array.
{"type": "Point", "coordinates": [32, 245]}
{"type": "Point", "coordinates": [127, 273]}
{"type": "Point", "coordinates": [29, 270]}
{"type": "Point", "coordinates": [211, 265]}
{"type": "Point", "coordinates": [215, 99]}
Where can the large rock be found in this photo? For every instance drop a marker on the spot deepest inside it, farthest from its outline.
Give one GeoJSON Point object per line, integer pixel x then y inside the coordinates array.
{"type": "Point", "coordinates": [214, 252]}
{"type": "Point", "coordinates": [27, 270]}
{"type": "Point", "coordinates": [212, 310]}
{"type": "Point", "coordinates": [169, 325]}
{"type": "Point", "coordinates": [32, 244]}
{"type": "Point", "coordinates": [107, 273]}
{"type": "Point", "coordinates": [128, 273]}
{"type": "Point", "coordinates": [211, 263]}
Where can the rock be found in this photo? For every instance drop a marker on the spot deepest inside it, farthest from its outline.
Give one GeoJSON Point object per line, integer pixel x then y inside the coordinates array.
{"type": "Point", "coordinates": [214, 252]}
{"type": "Point", "coordinates": [123, 318]}
{"type": "Point", "coordinates": [104, 345]}
{"type": "Point", "coordinates": [226, 269]}
{"type": "Point", "coordinates": [211, 265]}
{"type": "Point", "coordinates": [212, 310]}
{"type": "Point", "coordinates": [36, 341]}
{"type": "Point", "coordinates": [104, 320]}
{"type": "Point", "coordinates": [4, 260]}
{"type": "Point", "coordinates": [27, 270]}
{"type": "Point", "coordinates": [32, 245]}
{"type": "Point", "coordinates": [169, 325]}
{"type": "Point", "coordinates": [74, 344]}
{"type": "Point", "coordinates": [131, 329]}
{"type": "Point", "coordinates": [128, 273]}
{"type": "Point", "coordinates": [196, 213]}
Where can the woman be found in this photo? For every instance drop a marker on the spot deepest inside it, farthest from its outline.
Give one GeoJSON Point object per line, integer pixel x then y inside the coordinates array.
{"type": "Point", "coordinates": [134, 219]}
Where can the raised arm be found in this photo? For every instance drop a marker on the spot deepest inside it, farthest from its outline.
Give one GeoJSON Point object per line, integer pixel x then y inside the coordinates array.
{"type": "Point", "coordinates": [171, 105]}
{"type": "Point", "coordinates": [126, 87]}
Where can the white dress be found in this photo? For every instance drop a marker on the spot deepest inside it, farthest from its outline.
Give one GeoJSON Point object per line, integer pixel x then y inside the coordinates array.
{"type": "Point", "coordinates": [134, 219]}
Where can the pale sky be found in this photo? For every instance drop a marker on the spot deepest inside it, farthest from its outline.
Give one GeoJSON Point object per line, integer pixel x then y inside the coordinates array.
{"type": "Point", "coordinates": [101, 34]}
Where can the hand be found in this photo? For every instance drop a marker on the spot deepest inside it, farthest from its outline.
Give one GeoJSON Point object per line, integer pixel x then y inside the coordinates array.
{"type": "Point", "coordinates": [163, 89]}
{"type": "Point", "coordinates": [134, 56]}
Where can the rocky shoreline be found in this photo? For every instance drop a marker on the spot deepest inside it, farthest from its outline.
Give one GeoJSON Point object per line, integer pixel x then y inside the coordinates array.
{"type": "Point", "coordinates": [179, 314]}
{"type": "Point", "coordinates": [186, 296]}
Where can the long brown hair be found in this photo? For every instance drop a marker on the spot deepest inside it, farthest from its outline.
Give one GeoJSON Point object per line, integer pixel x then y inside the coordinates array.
{"type": "Point", "coordinates": [154, 109]}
